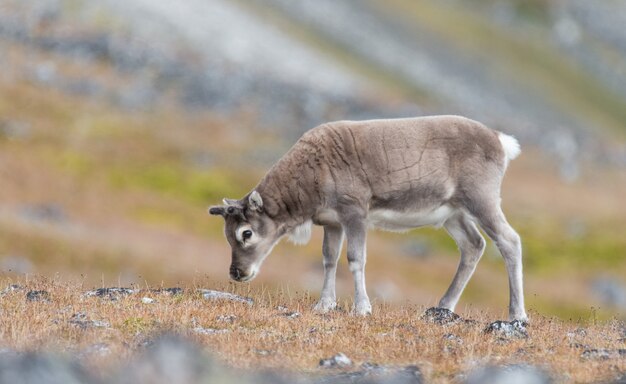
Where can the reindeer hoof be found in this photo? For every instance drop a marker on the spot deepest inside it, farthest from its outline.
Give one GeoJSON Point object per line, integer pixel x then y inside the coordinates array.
{"type": "Point", "coordinates": [363, 309]}
{"type": "Point", "coordinates": [324, 306]}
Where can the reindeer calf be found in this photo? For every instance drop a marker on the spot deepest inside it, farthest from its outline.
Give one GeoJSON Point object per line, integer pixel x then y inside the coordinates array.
{"type": "Point", "coordinates": [393, 174]}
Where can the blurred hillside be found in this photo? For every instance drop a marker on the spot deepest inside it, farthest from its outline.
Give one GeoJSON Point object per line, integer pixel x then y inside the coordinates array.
{"type": "Point", "coordinates": [120, 121]}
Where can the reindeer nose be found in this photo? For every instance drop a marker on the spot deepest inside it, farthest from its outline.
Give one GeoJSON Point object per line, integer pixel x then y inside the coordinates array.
{"type": "Point", "coordinates": [235, 273]}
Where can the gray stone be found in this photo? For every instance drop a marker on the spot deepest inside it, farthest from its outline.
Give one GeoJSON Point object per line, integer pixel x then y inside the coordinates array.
{"type": "Point", "coordinates": [339, 360]}
{"type": "Point", "coordinates": [43, 296]}
{"type": "Point", "coordinates": [226, 318]}
{"type": "Point", "coordinates": [603, 354]}
{"type": "Point", "coordinates": [210, 294]}
{"type": "Point", "coordinates": [169, 291]}
{"type": "Point", "coordinates": [112, 293]}
{"type": "Point", "coordinates": [209, 331]}
{"type": "Point", "coordinates": [81, 320]}
{"type": "Point", "coordinates": [291, 315]}
{"type": "Point", "coordinates": [441, 316]}
{"type": "Point", "coordinates": [508, 329]}
{"type": "Point", "coordinates": [11, 289]}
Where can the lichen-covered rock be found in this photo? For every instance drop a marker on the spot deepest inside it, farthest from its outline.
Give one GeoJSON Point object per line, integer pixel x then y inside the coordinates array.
{"type": "Point", "coordinates": [440, 316]}
{"type": "Point", "coordinates": [210, 294]}
{"type": "Point", "coordinates": [112, 293]}
{"type": "Point", "coordinates": [508, 329]}
{"type": "Point", "coordinates": [81, 320]}
{"type": "Point", "coordinates": [170, 291]}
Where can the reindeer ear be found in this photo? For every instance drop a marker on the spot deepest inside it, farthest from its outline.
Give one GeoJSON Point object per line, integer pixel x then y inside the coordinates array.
{"type": "Point", "coordinates": [217, 210]}
{"type": "Point", "coordinates": [255, 201]}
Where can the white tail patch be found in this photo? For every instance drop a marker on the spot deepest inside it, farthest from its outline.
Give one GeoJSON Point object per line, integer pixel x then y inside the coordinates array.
{"type": "Point", "coordinates": [301, 234]}
{"type": "Point", "coordinates": [510, 145]}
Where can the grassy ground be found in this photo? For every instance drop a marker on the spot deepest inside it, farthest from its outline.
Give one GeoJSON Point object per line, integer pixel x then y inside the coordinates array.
{"type": "Point", "coordinates": [268, 335]}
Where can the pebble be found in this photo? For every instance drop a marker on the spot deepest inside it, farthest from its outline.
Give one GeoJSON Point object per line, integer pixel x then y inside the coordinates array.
{"type": "Point", "coordinates": [147, 300]}
{"type": "Point", "coordinates": [339, 360]}
{"type": "Point", "coordinates": [209, 331]}
{"type": "Point", "coordinates": [210, 294]}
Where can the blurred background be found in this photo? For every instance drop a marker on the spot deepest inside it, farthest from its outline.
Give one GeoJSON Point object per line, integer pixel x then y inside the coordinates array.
{"type": "Point", "coordinates": [121, 121]}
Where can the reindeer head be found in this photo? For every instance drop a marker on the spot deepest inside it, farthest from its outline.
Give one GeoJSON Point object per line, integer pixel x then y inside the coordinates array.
{"type": "Point", "coordinates": [250, 232]}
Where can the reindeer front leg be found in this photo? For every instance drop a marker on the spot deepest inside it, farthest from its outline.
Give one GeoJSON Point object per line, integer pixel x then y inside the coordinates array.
{"type": "Point", "coordinates": [356, 230]}
{"type": "Point", "coordinates": [331, 249]}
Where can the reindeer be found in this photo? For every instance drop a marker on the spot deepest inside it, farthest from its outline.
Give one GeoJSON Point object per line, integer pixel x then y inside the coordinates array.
{"type": "Point", "coordinates": [393, 174]}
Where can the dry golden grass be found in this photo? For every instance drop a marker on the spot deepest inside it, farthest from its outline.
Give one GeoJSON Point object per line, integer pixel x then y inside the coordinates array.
{"type": "Point", "coordinates": [263, 336]}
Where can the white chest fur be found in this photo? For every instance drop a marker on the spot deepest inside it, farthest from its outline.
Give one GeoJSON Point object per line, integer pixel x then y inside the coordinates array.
{"type": "Point", "coordinates": [404, 221]}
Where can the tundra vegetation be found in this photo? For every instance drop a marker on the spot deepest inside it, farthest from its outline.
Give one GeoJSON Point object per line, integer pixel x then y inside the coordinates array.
{"type": "Point", "coordinates": [279, 331]}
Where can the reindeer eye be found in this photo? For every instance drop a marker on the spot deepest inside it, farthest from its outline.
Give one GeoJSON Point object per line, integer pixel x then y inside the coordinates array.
{"type": "Point", "coordinates": [246, 234]}
{"type": "Point", "coordinates": [230, 210]}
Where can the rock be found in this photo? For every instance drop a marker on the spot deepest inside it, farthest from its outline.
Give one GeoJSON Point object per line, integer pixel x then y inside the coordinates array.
{"type": "Point", "coordinates": [210, 294]}
{"type": "Point", "coordinates": [440, 316]}
{"type": "Point", "coordinates": [603, 354]}
{"type": "Point", "coordinates": [509, 374]}
{"type": "Point", "coordinates": [508, 329]}
{"type": "Point", "coordinates": [291, 315]}
{"type": "Point", "coordinates": [81, 320]}
{"type": "Point", "coordinates": [147, 300]}
{"type": "Point", "coordinates": [226, 318]}
{"type": "Point", "coordinates": [339, 360]}
{"type": "Point", "coordinates": [171, 291]}
{"type": "Point", "coordinates": [11, 288]}
{"type": "Point", "coordinates": [209, 331]}
{"type": "Point", "coordinates": [453, 338]}
{"type": "Point", "coordinates": [112, 293]}
{"type": "Point", "coordinates": [38, 296]}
